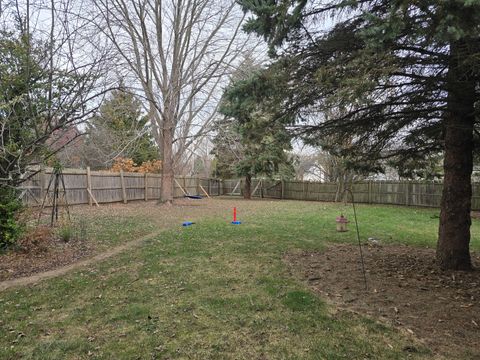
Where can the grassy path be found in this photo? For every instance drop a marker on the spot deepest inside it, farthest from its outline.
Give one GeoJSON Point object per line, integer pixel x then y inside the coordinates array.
{"type": "Point", "coordinates": [29, 280]}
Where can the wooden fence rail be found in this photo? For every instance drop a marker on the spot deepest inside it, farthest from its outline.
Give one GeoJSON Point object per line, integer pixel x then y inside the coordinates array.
{"type": "Point", "coordinates": [89, 187]}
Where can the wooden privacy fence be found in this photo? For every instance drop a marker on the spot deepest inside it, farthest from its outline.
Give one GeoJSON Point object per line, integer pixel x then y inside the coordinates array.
{"type": "Point", "coordinates": [408, 193]}
{"type": "Point", "coordinates": [108, 187]}
{"type": "Point", "coordinates": [88, 187]}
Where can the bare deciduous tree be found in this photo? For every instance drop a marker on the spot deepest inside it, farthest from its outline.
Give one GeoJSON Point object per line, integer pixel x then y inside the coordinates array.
{"type": "Point", "coordinates": [52, 80]}
{"type": "Point", "coordinates": [179, 53]}
{"type": "Point", "coordinates": [327, 167]}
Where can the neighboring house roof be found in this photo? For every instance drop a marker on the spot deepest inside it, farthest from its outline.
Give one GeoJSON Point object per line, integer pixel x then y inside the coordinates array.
{"type": "Point", "coordinates": [70, 137]}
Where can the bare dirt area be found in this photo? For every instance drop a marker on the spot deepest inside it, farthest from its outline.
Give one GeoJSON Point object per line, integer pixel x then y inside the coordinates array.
{"type": "Point", "coordinates": [42, 250]}
{"type": "Point", "coordinates": [405, 288]}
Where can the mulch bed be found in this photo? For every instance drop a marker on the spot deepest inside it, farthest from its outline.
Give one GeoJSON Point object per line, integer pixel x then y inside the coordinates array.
{"type": "Point", "coordinates": [405, 288]}
{"type": "Point", "coordinates": [41, 251]}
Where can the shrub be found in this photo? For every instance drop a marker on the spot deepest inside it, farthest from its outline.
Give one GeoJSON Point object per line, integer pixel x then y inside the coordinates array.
{"type": "Point", "coordinates": [10, 227]}
{"type": "Point", "coordinates": [36, 239]}
{"type": "Point", "coordinates": [128, 165]}
{"type": "Point", "coordinates": [66, 232]}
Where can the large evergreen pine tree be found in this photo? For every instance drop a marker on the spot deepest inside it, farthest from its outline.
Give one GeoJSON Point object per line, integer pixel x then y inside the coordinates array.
{"type": "Point", "coordinates": [260, 145]}
{"type": "Point", "coordinates": [403, 78]}
{"type": "Point", "coordinates": [119, 129]}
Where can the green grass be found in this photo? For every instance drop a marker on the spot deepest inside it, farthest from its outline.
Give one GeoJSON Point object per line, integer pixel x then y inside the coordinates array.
{"type": "Point", "coordinates": [211, 291]}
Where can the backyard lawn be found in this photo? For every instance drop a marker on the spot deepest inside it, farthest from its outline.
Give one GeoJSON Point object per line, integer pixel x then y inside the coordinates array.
{"type": "Point", "coordinates": [214, 290]}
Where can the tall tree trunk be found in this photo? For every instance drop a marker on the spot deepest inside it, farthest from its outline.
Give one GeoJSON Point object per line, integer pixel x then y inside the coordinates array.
{"type": "Point", "coordinates": [454, 230]}
{"type": "Point", "coordinates": [166, 196]}
{"type": "Point", "coordinates": [340, 186]}
{"type": "Point", "coordinates": [247, 190]}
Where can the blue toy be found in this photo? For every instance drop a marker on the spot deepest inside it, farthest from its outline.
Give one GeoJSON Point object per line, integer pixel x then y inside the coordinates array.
{"type": "Point", "coordinates": [196, 197]}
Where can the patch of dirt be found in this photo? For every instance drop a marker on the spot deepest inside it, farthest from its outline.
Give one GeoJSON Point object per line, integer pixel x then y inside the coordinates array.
{"type": "Point", "coordinates": [405, 289]}
{"type": "Point", "coordinates": [41, 250]}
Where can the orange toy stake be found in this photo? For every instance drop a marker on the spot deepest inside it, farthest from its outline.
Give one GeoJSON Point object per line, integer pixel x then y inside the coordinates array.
{"type": "Point", "coordinates": [235, 222]}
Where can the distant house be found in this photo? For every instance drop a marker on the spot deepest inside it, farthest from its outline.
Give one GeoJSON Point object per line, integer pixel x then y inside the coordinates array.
{"type": "Point", "coordinates": [67, 144]}
{"type": "Point", "coordinates": [64, 137]}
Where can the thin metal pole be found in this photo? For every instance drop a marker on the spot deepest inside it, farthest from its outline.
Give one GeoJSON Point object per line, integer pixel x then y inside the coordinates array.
{"type": "Point", "coordinates": [358, 237]}
{"type": "Point", "coordinates": [65, 195]}
{"type": "Point", "coordinates": [44, 200]}
{"type": "Point", "coordinates": [54, 200]}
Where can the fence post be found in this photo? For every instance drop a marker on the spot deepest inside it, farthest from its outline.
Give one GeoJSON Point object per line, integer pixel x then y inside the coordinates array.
{"type": "Point", "coordinates": [369, 191]}
{"type": "Point", "coordinates": [159, 187]}
{"type": "Point", "coordinates": [282, 189]}
{"type": "Point", "coordinates": [145, 180]}
{"type": "Point", "coordinates": [407, 193]}
{"type": "Point", "coordinates": [89, 186]}
{"type": "Point", "coordinates": [124, 192]}
{"type": "Point", "coordinates": [43, 187]}
{"type": "Point", "coordinates": [209, 186]}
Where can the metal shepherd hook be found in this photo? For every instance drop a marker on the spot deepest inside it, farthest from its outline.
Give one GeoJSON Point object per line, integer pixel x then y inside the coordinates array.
{"type": "Point", "coordinates": [358, 235]}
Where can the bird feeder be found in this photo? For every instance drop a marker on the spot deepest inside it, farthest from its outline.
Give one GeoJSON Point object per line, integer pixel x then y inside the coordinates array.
{"type": "Point", "coordinates": [342, 223]}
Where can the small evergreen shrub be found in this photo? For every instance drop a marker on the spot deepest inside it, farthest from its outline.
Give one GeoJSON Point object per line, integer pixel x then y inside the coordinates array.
{"type": "Point", "coordinates": [10, 228]}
